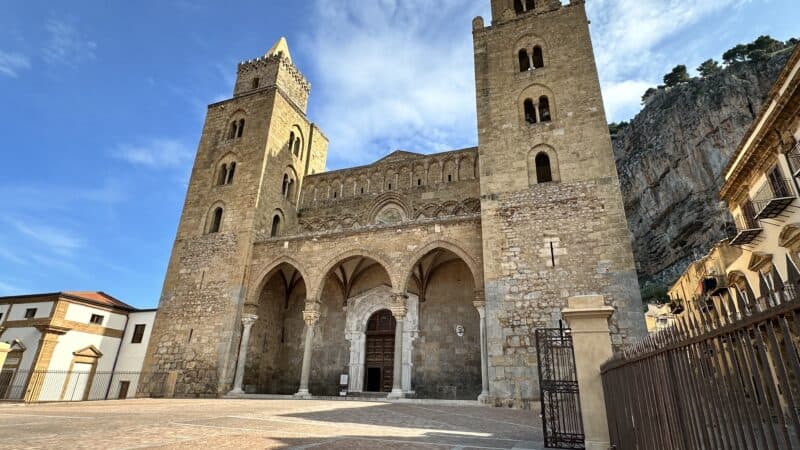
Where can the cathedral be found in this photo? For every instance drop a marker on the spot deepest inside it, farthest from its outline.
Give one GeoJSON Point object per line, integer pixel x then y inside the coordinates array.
{"type": "Point", "coordinates": [419, 275]}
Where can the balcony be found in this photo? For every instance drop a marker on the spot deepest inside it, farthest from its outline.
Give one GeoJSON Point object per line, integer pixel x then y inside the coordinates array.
{"type": "Point", "coordinates": [748, 228]}
{"type": "Point", "coordinates": [773, 198]}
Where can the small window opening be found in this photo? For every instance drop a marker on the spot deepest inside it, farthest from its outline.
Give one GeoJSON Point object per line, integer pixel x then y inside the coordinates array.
{"type": "Point", "coordinates": [138, 333]}
{"type": "Point", "coordinates": [232, 132]}
{"type": "Point", "coordinates": [96, 319]}
{"type": "Point", "coordinates": [543, 172]}
{"type": "Point", "coordinates": [216, 221]}
{"type": "Point", "coordinates": [390, 186]}
{"type": "Point", "coordinates": [291, 140]}
{"type": "Point", "coordinates": [449, 178]}
{"type": "Point", "coordinates": [297, 147]}
{"type": "Point", "coordinates": [524, 61]}
{"type": "Point", "coordinates": [256, 80]}
{"type": "Point", "coordinates": [519, 6]}
{"type": "Point", "coordinates": [530, 111]}
{"type": "Point", "coordinates": [530, 5]}
{"type": "Point", "coordinates": [362, 190]}
{"type": "Point", "coordinates": [276, 224]}
{"type": "Point", "coordinates": [419, 181]}
{"type": "Point", "coordinates": [335, 194]}
{"type": "Point", "coordinates": [544, 109]}
{"type": "Point", "coordinates": [30, 313]}
{"type": "Point", "coordinates": [538, 58]}
{"type": "Point", "coordinates": [223, 175]}
{"type": "Point", "coordinates": [191, 332]}
{"type": "Point", "coordinates": [241, 128]}
{"type": "Point", "coordinates": [285, 185]}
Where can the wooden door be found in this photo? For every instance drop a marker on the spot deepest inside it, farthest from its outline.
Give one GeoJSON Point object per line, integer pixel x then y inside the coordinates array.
{"type": "Point", "coordinates": [379, 364]}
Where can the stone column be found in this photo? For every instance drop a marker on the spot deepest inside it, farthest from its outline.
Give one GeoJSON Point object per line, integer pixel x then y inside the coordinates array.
{"type": "Point", "coordinates": [4, 349]}
{"type": "Point", "coordinates": [480, 305]}
{"type": "Point", "coordinates": [47, 345]}
{"type": "Point", "coordinates": [399, 311]}
{"type": "Point", "coordinates": [247, 323]}
{"type": "Point", "coordinates": [587, 316]}
{"type": "Point", "coordinates": [310, 317]}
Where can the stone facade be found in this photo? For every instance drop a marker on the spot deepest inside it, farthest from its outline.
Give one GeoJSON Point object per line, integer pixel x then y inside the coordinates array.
{"type": "Point", "coordinates": [471, 250]}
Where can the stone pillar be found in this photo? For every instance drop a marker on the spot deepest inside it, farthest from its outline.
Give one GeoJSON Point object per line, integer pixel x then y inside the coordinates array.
{"type": "Point", "coordinates": [47, 345]}
{"type": "Point", "coordinates": [480, 305]}
{"type": "Point", "coordinates": [399, 311]}
{"type": "Point", "coordinates": [4, 349]}
{"type": "Point", "coordinates": [310, 317]}
{"type": "Point", "coordinates": [587, 316]}
{"type": "Point", "coordinates": [247, 323]}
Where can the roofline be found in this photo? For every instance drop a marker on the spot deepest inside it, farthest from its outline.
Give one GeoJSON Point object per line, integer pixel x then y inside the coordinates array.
{"type": "Point", "coordinates": [123, 306]}
{"type": "Point", "coordinates": [378, 162]}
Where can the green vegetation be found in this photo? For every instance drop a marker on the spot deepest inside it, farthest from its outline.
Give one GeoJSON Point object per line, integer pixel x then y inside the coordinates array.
{"type": "Point", "coordinates": [615, 127]}
{"type": "Point", "coordinates": [709, 68]}
{"type": "Point", "coordinates": [678, 75]}
{"type": "Point", "coordinates": [655, 293]}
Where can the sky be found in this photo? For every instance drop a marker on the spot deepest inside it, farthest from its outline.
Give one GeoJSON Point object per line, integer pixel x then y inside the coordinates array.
{"type": "Point", "coordinates": [105, 102]}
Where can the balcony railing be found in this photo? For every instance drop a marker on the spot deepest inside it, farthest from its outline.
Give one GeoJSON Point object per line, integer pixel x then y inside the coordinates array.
{"type": "Point", "coordinates": [747, 227]}
{"type": "Point", "coordinates": [773, 198]}
{"type": "Point", "coordinates": [793, 156]}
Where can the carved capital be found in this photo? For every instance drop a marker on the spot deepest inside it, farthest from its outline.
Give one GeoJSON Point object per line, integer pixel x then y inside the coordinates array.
{"type": "Point", "coordinates": [248, 320]}
{"type": "Point", "coordinates": [310, 317]}
{"type": "Point", "coordinates": [480, 296]}
{"type": "Point", "coordinates": [399, 311]}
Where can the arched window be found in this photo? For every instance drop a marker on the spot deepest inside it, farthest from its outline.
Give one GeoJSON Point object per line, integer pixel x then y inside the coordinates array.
{"type": "Point", "coordinates": [241, 128]}
{"type": "Point", "coordinates": [543, 172]}
{"type": "Point", "coordinates": [538, 58]}
{"type": "Point", "coordinates": [291, 140]}
{"type": "Point", "coordinates": [276, 225]}
{"type": "Point", "coordinates": [544, 109]}
{"type": "Point", "coordinates": [530, 111]}
{"type": "Point", "coordinates": [524, 61]}
{"type": "Point", "coordinates": [216, 221]}
{"type": "Point", "coordinates": [223, 175]}
{"type": "Point", "coordinates": [518, 6]}
{"type": "Point", "coordinates": [297, 146]}
{"type": "Point", "coordinates": [232, 132]}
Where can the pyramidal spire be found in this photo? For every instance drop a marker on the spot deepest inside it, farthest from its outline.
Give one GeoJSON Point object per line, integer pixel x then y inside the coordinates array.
{"type": "Point", "coordinates": [280, 47]}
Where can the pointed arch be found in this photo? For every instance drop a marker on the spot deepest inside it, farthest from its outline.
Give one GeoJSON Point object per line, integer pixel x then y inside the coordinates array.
{"type": "Point", "coordinates": [412, 259]}
{"type": "Point", "coordinates": [377, 256]}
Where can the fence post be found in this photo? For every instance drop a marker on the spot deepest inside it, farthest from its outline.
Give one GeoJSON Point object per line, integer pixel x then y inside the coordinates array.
{"type": "Point", "coordinates": [4, 349]}
{"type": "Point", "coordinates": [587, 316]}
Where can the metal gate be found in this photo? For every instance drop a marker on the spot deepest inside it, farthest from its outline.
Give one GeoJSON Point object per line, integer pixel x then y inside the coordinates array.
{"type": "Point", "coordinates": [558, 389]}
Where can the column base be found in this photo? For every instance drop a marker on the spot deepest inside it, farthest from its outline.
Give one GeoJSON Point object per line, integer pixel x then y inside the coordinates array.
{"type": "Point", "coordinates": [484, 397]}
{"type": "Point", "coordinates": [396, 393]}
{"type": "Point", "coordinates": [302, 394]}
{"type": "Point", "coordinates": [236, 391]}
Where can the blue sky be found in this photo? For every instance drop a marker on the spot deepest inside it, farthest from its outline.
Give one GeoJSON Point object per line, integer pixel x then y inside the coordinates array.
{"type": "Point", "coordinates": [105, 101]}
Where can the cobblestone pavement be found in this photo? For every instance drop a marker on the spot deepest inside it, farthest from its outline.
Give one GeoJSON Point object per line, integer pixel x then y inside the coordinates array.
{"type": "Point", "coordinates": [283, 423]}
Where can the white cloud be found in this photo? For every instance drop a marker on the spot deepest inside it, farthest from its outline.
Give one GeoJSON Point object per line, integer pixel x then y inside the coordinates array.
{"type": "Point", "coordinates": [159, 153]}
{"type": "Point", "coordinates": [66, 45]}
{"type": "Point", "coordinates": [12, 63]}
{"type": "Point", "coordinates": [628, 37]}
{"type": "Point", "coordinates": [10, 289]}
{"type": "Point", "coordinates": [393, 74]}
{"type": "Point", "coordinates": [58, 240]}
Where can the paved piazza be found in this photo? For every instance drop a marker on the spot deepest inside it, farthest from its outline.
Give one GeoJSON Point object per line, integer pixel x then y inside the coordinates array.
{"type": "Point", "coordinates": [274, 423]}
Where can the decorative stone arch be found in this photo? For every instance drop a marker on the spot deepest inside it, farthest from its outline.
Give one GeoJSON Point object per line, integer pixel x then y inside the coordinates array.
{"type": "Point", "coordinates": [267, 273]}
{"type": "Point", "coordinates": [296, 141]}
{"type": "Point", "coordinates": [390, 180]}
{"type": "Point", "coordinates": [289, 190]}
{"type": "Point", "coordinates": [315, 289]}
{"type": "Point", "coordinates": [361, 184]}
{"type": "Point", "coordinates": [466, 168]}
{"type": "Point", "coordinates": [385, 200]}
{"type": "Point", "coordinates": [335, 192]}
{"type": "Point", "coordinates": [555, 172]}
{"type": "Point", "coordinates": [235, 124]}
{"type": "Point", "coordinates": [359, 310]}
{"type": "Point", "coordinates": [434, 172]}
{"type": "Point", "coordinates": [472, 264]}
{"type": "Point", "coordinates": [528, 42]}
{"type": "Point", "coordinates": [534, 93]}
{"type": "Point", "coordinates": [449, 170]}
{"type": "Point", "coordinates": [209, 216]}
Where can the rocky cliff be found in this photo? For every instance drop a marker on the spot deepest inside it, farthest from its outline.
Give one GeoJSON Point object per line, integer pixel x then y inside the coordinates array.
{"type": "Point", "coordinates": [670, 160]}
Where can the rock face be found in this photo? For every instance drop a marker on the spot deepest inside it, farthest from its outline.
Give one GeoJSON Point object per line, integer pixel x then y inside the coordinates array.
{"type": "Point", "coordinates": [670, 161]}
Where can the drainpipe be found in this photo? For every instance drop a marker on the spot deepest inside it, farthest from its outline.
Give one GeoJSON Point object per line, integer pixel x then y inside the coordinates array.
{"type": "Point", "coordinates": [116, 357]}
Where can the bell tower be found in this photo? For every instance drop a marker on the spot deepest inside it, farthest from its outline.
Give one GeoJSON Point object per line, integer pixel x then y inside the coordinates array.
{"type": "Point", "coordinates": [552, 214]}
{"type": "Point", "coordinates": [254, 152]}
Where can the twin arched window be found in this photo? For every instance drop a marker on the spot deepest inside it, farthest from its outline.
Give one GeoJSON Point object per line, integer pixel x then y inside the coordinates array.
{"type": "Point", "coordinates": [226, 172]}
{"type": "Point", "coordinates": [295, 144]}
{"type": "Point", "coordinates": [521, 6]}
{"type": "Point", "coordinates": [287, 187]}
{"type": "Point", "coordinates": [236, 129]}
{"type": "Point", "coordinates": [537, 112]}
{"type": "Point", "coordinates": [530, 61]}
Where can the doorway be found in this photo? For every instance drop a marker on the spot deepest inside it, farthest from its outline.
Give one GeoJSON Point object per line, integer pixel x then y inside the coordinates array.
{"type": "Point", "coordinates": [379, 364]}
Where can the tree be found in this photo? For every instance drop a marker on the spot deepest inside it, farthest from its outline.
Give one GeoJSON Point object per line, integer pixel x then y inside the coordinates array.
{"type": "Point", "coordinates": [764, 43]}
{"type": "Point", "coordinates": [678, 75]}
{"type": "Point", "coordinates": [736, 54]}
{"type": "Point", "coordinates": [709, 68]}
{"type": "Point", "coordinates": [792, 42]}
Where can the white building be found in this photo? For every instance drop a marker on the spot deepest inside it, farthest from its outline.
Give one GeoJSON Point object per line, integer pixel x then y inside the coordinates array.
{"type": "Point", "coordinates": [72, 346]}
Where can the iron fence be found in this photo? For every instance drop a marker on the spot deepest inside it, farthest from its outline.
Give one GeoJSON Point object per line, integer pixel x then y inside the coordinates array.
{"type": "Point", "coordinates": [725, 377]}
{"type": "Point", "coordinates": [63, 385]}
